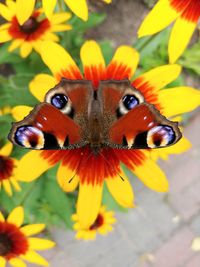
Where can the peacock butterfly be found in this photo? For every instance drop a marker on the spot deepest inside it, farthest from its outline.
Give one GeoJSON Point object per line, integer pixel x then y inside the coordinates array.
{"type": "Point", "coordinates": [75, 115]}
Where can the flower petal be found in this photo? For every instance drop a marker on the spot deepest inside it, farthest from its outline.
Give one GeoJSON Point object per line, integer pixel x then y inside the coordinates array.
{"type": "Point", "coordinates": [48, 7]}
{"type": "Point", "coordinates": [35, 258]}
{"type": "Point", "coordinates": [2, 219]}
{"type": "Point", "coordinates": [16, 216]}
{"type": "Point", "coordinates": [5, 36]}
{"type": "Point", "coordinates": [180, 147]}
{"type": "Point", "coordinates": [15, 44]}
{"type": "Point", "coordinates": [61, 27]}
{"type": "Point", "coordinates": [157, 78]}
{"type": "Point", "coordinates": [67, 178]}
{"type": "Point", "coordinates": [25, 49]}
{"type": "Point", "coordinates": [32, 229]}
{"type": "Point", "coordinates": [2, 262]}
{"type": "Point", "coordinates": [181, 34]}
{"type": "Point", "coordinates": [60, 17]}
{"type": "Point", "coordinates": [6, 149]}
{"type": "Point", "coordinates": [59, 61]}
{"type": "Point", "coordinates": [15, 184]}
{"type": "Point", "coordinates": [24, 10]}
{"type": "Point", "coordinates": [6, 12]}
{"type": "Point", "coordinates": [26, 163]}
{"type": "Point", "coordinates": [7, 187]}
{"type": "Point", "coordinates": [40, 244]}
{"type": "Point", "coordinates": [178, 100]}
{"type": "Point", "coordinates": [159, 18]}
{"type": "Point", "coordinates": [93, 62]}
{"type": "Point", "coordinates": [17, 262]}
{"type": "Point", "coordinates": [20, 112]}
{"type": "Point", "coordinates": [41, 84]}
{"type": "Point", "coordinates": [151, 175]}
{"type": "Point", "coordinates": [123, 64]}
{"type": "Point", "coordinates": [121, 190]}
{"type": "Point", "coordinates": [89, 202]}
{"type": "Point", "coordinates": [79, 8]}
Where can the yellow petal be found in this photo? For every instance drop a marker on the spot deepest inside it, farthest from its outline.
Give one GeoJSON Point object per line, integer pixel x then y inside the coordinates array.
{"type": "Point", "coordinates": [59, 61]}
{"type": "Point", "coordinates": [15, 44]}
{"type": "Point", "coordinates": [16, 216]}
{"type": "Point", "coordinates": [5, 36]}
{"type": "Point", "coordinates": [67, 178]}
{"type": "Point", "coordinates": [4, 26]}
{"type": "Point", "coordinates": [40, 244]}
{"type": "Point", "coordinates": [181, 34]}
{"type": "Point", "coordinates": [26, 163]}
{"type": "Point", "coordinates": [25, 49]}
{"type": "Point", "coordinates": [152, 176]}
{"type": "Point", "coordinates": [7, 187]}
{"type": "Point", "coordinates": [107, 1]}
{"type": "Point", "coordinates": [6, 12]}
{"type": "Point", "coordinates": [20, 112]}
{"type": "Point", "coordinates": [121, 190]}
{"type": "Point", "coordinates": [2, 262]}
{"type": "Point", "coordinates": [123, 64]}
{"type": "Point", "coordinates": [178, 100]}
{"type": "Point", "coordinates": [158, 77]}
{"type": "Point", "coordinates": [17, 262]}
{"type": "Point", "coordinates": [61, 27]}
{"type": "Point", "coordinates": [180, 147]}
{"type": "Point", "coordinates": [6, 150]}
{"type": "Point", "coordinates": [15, 184]}
{"type": "Point", "coordinates": [2, 219]}
{"type": "Point", "coordinates": [48, 7]}
{"type": "Point", "coordinates": [88, 205]}
{"type": "Point", "coordinates": [48, 36]}
{"type": "Point", "coordinates": [41, 84]}
{"type": "Point", "coordinates": [35, 258]}
{"type": "Point", "coordinates": [11, 5]}
{"type": "Point", "coordinates": [159, 18]}
{"type": "Point", "coordinates": [79, 8]}
{"type": "Point", "coordinates": [60, 17]}
{"type": "Point", "coordinates": [93, 62]}
{"type": "Point", "coordinates": [24, 10]}
{"type": "Point", "coordinates": [32, 229]}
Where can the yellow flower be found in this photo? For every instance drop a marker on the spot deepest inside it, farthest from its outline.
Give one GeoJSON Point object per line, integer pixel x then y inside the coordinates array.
{"type": "Point", "coordinates": [185, 14]}
{"type": "Point", "coordinates": [33, 31]}
{"type": "Point", "coordinates": [102, 225]}
{"type": "Point", "coordinates": [7, 169]}
{"type": "Point", "coordinates": [78, 7]}
{"type": "Point", "coordinates": [5, 110]}
{"type": "Point", "coordinates": [16, 243]}
{"type": "Point", "coordinates": [170, 102]}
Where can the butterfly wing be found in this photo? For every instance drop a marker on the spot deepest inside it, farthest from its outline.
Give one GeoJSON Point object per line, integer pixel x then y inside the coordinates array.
{"type": "Point", "coordinates": [56, 123]}
{"type": "Point", "coordinates": [135, 123]}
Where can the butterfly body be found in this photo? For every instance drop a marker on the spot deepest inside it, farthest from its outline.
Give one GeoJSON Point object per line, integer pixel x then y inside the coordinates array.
{"type": "Point", "coordinates": [74, 115]}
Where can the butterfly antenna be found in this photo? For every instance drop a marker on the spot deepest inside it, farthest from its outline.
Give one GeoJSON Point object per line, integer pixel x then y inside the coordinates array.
{"type": "Point", "coordinates": [112, 166]}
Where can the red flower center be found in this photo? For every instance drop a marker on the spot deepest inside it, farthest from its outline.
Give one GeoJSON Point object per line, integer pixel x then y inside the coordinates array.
{"type": "Point", "coordinates": [32, 29]}
{"type": "Point", "coordinates": [98, 222]}
{"type": "Point", "coordinates": [30, 25]}
{"type": "Point", "coordinates": [13, 242]}
{"type": "Point", "coordinates": [6, 167]}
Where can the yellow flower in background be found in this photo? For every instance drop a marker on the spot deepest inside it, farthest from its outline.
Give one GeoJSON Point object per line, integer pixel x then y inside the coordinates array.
{"type": "Point", "coordinates": [33, 31]}
{"type": "Point", "coordinates": [186, 15]}
{"type": "Point", "coordinates": [7, 170]}
{"type": "Point", "coordinates": [16, 243]}
{"type": "Point", "coordinates": [5, 110]}
{"type": "Point", "coordinates": [102, 225]}
{"type": "Point", "coordinates": [171, 102]}
{"type": "Point", "coordinates": [78, 7]}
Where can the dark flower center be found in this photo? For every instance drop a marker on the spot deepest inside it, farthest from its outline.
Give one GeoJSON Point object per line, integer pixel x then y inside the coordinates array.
{"type": "Point", "coordinates": [98, 222]}
{"type": "Point", "coordinates": [6, 167]}
{"type": "Point", "coordinates": [13, 242]}
{"type": "Point", "coordinates": [5, 244]}
{"type": "Point", "coordinates": [30, 25]}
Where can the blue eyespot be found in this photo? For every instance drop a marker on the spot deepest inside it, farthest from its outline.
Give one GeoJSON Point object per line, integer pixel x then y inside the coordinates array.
{"type": "Point", "coordinates": [59, 101]}
{"type": "Point", "coordinates": [130, 101]}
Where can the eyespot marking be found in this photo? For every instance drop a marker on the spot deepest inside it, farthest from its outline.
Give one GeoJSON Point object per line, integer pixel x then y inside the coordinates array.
{"type": "Point", "coordinates": [160, 136]}
{"type": "Point", "coordinates": [59, 101]}
{"type": "Point", "coordinates": [29, 137]}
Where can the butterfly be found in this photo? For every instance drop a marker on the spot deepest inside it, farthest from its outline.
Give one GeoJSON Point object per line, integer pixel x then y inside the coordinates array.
{"type": "Point", "coordinates": [75, 115]}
